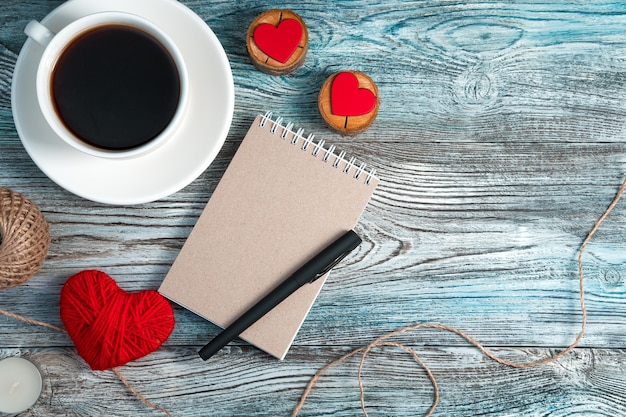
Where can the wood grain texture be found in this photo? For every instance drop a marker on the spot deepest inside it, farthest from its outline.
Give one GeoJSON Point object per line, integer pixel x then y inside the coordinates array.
{"type": "Point", "coordinates": [240, 382]}
{"type": "Point", "coordinates": [500, 140]}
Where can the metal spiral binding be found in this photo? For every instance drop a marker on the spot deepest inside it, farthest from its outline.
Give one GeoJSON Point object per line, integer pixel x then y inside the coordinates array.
{"type": "Point", "coordinates": [328, 154]}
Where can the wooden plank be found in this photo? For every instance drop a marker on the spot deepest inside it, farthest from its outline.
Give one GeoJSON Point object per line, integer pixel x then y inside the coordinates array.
{"type": "Point", "coordinates": [590, 382]}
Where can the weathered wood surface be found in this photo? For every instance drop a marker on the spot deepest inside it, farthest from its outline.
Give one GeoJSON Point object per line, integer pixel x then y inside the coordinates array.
{"type": "Point", "coordinates": [500, 140]}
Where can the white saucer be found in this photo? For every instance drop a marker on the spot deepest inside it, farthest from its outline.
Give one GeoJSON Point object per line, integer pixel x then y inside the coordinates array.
{"type": "Point", "coordinates": [163, 171]}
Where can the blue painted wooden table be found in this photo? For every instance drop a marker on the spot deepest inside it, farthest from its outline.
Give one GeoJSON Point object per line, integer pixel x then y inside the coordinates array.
{"type": "Point", "coordinates": [501, 139]}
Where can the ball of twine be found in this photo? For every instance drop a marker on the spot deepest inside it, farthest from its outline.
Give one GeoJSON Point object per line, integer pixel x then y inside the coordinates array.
{"type": "Point", "coordinates": [24, 238]}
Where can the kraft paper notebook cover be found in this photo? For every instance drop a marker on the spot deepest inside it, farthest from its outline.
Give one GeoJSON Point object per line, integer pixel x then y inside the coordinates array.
{"type": "Point", "coordinates": [283, 198]}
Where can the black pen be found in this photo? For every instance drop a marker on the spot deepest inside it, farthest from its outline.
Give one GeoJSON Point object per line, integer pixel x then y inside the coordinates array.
{"type": "Point", "coordinates": [317, 267]}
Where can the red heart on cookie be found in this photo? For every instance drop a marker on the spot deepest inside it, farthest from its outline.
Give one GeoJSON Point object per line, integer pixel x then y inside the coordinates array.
{"type": "Point", "coordinates": [109, 326]}
{"type": "Point", "coordinates": [347, 99]}
{"type": "Point", "coordinates": [279, 42]}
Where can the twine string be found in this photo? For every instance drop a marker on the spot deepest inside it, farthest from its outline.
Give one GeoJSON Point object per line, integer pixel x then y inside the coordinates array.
{"type": "Point", "coordinates": [127, 384]}
{"type": "Point", "coordinates": [31, 321]}
{"type": "Point", "coordinates": [138, 395]}
{"type": "Point", "coordinates": [381, 341]}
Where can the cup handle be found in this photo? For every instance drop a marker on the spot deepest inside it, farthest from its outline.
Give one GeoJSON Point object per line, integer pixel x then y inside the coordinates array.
{"type": "Point", "coordinates": [38, 32]}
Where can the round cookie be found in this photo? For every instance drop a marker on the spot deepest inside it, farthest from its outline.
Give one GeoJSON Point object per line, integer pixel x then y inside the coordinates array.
{"type": "Point", "coordinates": [348, 102]}
{"type": "Point", "coordinates": [277, 41]}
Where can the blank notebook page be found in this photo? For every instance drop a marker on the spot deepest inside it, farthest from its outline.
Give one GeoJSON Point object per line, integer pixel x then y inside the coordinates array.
{"type": "Point", "coordinates": [276, 206]}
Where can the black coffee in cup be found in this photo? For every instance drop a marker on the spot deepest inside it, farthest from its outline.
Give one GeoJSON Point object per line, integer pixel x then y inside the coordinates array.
{"type": "Point", "coordinates": [116, 87]}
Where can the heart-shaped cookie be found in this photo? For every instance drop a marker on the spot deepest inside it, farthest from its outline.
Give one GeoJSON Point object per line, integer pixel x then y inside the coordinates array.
{"type": "Point", "coordinates": [281, 41]}
{"type": "Point", "coordinates": [347, 99]}
{"type": "Point", "coordinates": [109, 326]}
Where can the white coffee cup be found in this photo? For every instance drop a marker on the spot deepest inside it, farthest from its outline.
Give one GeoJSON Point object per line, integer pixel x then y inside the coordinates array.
{"type": "Point", "coordinates": [55, 44]}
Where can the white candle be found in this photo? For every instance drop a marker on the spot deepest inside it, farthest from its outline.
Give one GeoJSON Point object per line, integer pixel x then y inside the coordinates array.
{"type": "Point", "coordinates": [20, 385]}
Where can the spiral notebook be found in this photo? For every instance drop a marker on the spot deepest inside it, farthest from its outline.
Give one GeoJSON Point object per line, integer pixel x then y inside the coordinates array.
{"type": "Point", "coordinates": [283, 198]}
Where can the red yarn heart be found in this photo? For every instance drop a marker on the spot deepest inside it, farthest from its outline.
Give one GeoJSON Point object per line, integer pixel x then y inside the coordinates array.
{"type": "Point", "coordinates": [347, 99]}
{"type": "Point", "coordinates": [109, 326]}
{"type": "Point", "coordinates": [279, 42]}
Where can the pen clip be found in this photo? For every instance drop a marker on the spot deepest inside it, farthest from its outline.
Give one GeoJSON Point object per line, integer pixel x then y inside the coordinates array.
{"type": "Point", "coordinates": [330, 266]}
